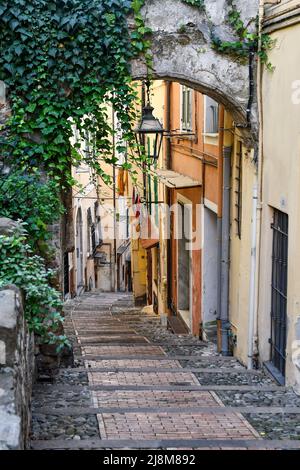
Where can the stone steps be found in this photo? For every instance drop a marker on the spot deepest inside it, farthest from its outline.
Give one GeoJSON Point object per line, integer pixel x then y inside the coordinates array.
{"type": "Point", "coordinates": [140, 386]}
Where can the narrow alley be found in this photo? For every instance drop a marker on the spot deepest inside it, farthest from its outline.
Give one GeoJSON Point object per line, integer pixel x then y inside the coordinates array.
{"type": "Point", "coordinates": [137, 385]}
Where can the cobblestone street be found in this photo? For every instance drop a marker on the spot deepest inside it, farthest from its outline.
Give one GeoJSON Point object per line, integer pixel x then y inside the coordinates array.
{"type": "Point", "coordinates": [137, 385]}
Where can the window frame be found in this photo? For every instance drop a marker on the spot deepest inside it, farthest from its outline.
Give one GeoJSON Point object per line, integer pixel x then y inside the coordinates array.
{"type": "Point", "coordinates": [186, 125]}
{"type": "Point", "coordinates": [208, 132]}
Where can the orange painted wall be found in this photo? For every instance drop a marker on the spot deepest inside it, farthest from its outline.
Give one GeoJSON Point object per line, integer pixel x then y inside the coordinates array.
{"type": "Point", "coordinates": [191, 156]}
{"type": "Point", "coordinates": [189, 153]}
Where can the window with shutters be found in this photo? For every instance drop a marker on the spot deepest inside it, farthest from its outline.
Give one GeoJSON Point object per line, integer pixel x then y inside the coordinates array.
{"type": "Point", "coordinates": [186, 109]}
{"type": "Point", "coordinates": [211, 124]}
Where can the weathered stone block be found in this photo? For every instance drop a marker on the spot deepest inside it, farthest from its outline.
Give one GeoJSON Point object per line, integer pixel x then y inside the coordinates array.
{"type": "Point", "coordinates": [16, 353]}
{"type": "Point", "coordinates": [10, 430]}
{"type": "Point", "coordinates": [2, 352]}
{"type": "Point", "coordinates": [8, 314]}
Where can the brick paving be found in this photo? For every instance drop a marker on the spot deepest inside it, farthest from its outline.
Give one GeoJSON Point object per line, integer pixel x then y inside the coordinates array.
{"type": "Point", "coordinates": [122, 350]}
{"type": "Point", "coordinates": [141, 378]}
{"type": "Point", "coordinates": [123, 338]}
{"type": "Point", "coordinates": [132, 364]}
{"type": "Point", "coordinates": [174, 426]}
{"type": "Point", "coordinates": [153, 399]}
{"type": "Point", "coordinates": [153, 425]}
{"type": "Point", "coordinates": [114, 338]}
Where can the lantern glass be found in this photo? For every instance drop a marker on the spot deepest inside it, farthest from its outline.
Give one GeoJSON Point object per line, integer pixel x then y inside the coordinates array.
{"type": "Point", "coordinates": [149, 134]}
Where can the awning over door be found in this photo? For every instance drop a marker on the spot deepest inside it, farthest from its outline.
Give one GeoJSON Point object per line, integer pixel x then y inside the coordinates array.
{"type": "Point", "coordinates": [172, 179]}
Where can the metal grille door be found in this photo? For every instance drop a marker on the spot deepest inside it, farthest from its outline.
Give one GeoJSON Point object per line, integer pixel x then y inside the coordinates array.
{"type": "Point", "coordinates": [279, 291]}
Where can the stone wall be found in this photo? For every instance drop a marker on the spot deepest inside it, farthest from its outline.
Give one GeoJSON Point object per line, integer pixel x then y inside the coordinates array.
{"type": "Point", "coordinates": [16, 371]}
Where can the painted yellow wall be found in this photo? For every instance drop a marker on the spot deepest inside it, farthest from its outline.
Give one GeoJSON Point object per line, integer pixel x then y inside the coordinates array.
{"type": "Point", "coordinates": [281, 181]}
{"type": "Point", "coordinates": [139, 255]}
{"type": "Point", "coordinates": [240, 251]}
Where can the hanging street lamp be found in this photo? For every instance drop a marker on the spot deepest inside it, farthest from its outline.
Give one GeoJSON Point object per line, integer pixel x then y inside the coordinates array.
{"type": "Point", "coordinates": [150, 132]}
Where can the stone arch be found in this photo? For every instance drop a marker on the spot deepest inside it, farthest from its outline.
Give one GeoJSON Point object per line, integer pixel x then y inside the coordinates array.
{"type": "Point", "coordinates": [182, 51]}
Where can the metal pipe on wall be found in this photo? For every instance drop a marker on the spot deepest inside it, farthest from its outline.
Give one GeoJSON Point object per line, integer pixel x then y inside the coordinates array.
{"type": "Point", "coordinates": [225, 258]}
{"type": "Point", "coordinates": [252, 300]}
{"type": "Point", "coordinates": [168, 192]}
{"type": "Point", "coordinates": [257, 217]}
{"type": "Point", "coordinates": [220, 213]}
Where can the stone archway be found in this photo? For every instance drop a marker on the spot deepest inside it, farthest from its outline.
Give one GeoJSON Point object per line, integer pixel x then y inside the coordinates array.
{"type": "Point", "coordinates": [182, 51]}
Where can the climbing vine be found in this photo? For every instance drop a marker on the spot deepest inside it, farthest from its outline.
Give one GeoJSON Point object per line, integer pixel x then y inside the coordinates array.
{"type": "Point", "coordinates": [20, 266]}
{"type": "Point", "coordinates": [197, 3]}
{"type": "Point", "coordinates": [63, 62]}
{"type": "Point", "coordinates": [35, 201]}
{"type": "Point", "coordinates": [247, 41]}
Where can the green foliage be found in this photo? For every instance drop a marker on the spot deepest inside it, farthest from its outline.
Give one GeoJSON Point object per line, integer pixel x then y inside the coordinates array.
{"type": "Point", "coordinates": [33, 200]}
{"type": "Point", "coordinates": [19, 266]}
{"type": "Point", "coordinates": [247, 42]}
{"type": "Point", "coordinates": [63, 61]}
{"type": "Point", "coordinates": [138, 37]}
{"type": "Point", "coordinates": [197, 3]}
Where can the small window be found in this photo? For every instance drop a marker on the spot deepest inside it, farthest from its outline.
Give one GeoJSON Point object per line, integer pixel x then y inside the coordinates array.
{"type": "Point", "coordinates": [211, 116]}
{"type": "Point", "coordinates": [186, 109]}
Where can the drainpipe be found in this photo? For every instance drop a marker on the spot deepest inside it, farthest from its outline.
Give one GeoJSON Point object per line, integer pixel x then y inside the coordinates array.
{"type": "Point", "coordinates": [225, 260]}
{"type": "Point", "coordinates": [168, 192]}
{"type": "Point", "coordinates": [252, 277]}
{"type": "Point", "coordinates": [168, 126]}
{"type": "Point", "coordinates": [256, 218]}
{"type": "Point", "coordinates": [220, 213]}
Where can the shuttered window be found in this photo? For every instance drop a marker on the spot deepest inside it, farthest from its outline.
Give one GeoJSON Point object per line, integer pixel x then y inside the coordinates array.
{"type": "Point", "coordinates": [186, 109]}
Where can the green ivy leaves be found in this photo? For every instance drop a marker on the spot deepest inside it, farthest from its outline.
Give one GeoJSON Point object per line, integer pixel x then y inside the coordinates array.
{"type": "Point", "coordinates": [62, 60]}
{"type": "Point", "coordinates": [247, 42]}
{"type": "Point", "coordinates": [27, 271]}
{"type": "Point", "coordinates": [196, 3]}
{"type": "Point", "coordinates": [34, 201]}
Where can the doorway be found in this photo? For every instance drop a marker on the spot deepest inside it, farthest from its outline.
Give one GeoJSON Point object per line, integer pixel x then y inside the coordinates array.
{"type": "Point", "coordinates": [184, 267]}
{"type": "Point", "coordinates": [279, 286]}
{"type": "Point", "coordinates": [210, 273]}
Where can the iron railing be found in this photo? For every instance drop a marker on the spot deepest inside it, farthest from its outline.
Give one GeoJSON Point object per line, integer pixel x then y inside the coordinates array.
{"type": "Point", "coordinates": [278, 338]}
